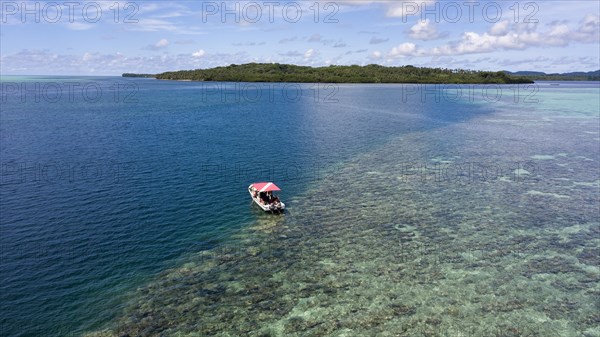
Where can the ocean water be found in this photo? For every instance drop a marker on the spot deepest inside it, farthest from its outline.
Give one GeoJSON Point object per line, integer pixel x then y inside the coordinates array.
{"type": "Point", "coordinates": [412, 210]}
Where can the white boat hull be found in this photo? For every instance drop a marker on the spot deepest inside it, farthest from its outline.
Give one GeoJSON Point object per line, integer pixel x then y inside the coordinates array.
{"type": "Point", "coordinates": [280, 206]}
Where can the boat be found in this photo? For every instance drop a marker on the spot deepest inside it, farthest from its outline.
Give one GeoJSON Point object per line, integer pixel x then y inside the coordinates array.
{"type": "Point", "coordinates": [262, 194]}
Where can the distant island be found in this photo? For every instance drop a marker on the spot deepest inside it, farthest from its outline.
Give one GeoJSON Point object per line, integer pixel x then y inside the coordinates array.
{"type": "Point", "coordinates": [275, 72]}
{"type": "Point", "coordinates": [139, 75]}
{"type": "Point", "coordinates": [573, 76]}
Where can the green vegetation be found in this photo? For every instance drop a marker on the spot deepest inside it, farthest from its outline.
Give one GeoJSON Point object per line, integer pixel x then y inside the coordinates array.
{"type": "Point", "coordinates": [139, 75]}
{"type": "Point", "coordinates": [262, 72]}
{"type": "Point", "coordinates": [575, 76]}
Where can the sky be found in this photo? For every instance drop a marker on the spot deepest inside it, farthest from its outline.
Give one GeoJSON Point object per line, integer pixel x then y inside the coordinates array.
{"type": "Point", "coordinates": [114, 37]}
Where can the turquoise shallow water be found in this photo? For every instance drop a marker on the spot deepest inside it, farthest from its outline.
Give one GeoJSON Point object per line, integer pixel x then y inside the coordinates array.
{"type": "Point", "coordinates": [407, 216]}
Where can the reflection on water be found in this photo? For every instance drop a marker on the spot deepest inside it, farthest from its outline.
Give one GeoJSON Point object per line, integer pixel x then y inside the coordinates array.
{"type": "Point", "coordinates": [483, 228]}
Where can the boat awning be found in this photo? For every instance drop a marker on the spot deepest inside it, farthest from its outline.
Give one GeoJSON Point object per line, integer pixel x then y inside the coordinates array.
{"type": "Point", "coordinates": [266, 187]}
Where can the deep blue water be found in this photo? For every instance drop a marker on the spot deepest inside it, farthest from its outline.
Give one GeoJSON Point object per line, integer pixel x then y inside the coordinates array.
{"type": "Point", "coordinates": [101, 192]}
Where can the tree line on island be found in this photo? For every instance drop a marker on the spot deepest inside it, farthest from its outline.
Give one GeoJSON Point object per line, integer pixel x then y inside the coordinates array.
{"type": "Point", "coordinates": [275, 72]}
{"type": "Point", "coordinates": [139, 75]}
{"type": "Point", "coordinates": [573, 76]}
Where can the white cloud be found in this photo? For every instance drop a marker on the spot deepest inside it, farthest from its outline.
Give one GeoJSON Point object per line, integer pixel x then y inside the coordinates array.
{"type": "Point", "coordinates": [424, 30]}
{"type": "Point", "coordinates": [309, 53]}
{"type": "Point", "coordinates": [588, 30]}
{"type": "Point", "coordinates": [153, 25]}
{"type": "Point", "coordinates": [43, 62]}
{"type": "Point", "coordinates": [406, 8]}
{"type": "Point", "coordinates": [520, 36]}
{"type": "Point", "coordinates": [405, 49]}
{"type": "Point", "coordinates": [590, 24]}
{"type": "Point", "coordinates": [376, 54]}
{"type": "Point", "coordinates": [499, 28]}
{"type": "Point", "coordinates": [199, 53]}
{"type": "Point", "coordinates": [392, 8]}
{"type": "Point", "coordinates": [161, 44]}
{"type": "Point", "coordinates": [146, 24]}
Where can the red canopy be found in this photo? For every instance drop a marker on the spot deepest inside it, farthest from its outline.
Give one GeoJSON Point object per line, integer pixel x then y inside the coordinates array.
{"type": "Point", "coordinates": [266, 187]}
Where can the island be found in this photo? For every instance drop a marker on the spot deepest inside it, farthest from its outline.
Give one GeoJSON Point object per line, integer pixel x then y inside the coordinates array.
{"type": "Point", "coordinates": [275, 72]}
{"type": "Point", "coordinates": [573, 76]}
{"type": "Point", "coordinates": [139, 75]}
